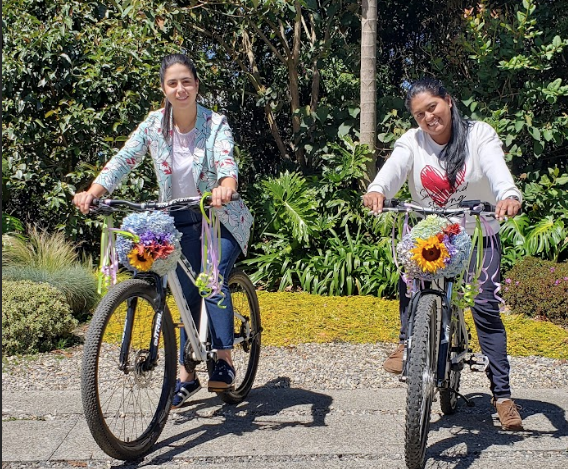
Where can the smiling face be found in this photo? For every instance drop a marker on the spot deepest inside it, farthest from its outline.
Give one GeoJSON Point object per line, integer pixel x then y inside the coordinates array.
{"type": "Point", "coordinates": [180, 87]}
{"type": "Point", "coordinates": [434, 116]}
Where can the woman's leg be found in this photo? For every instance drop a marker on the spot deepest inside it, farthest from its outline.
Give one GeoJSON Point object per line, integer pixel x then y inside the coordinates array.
{"type": "Point", "coordinates": [493, 337]}
{"type": "Point", "coordinates": [487, 317]}
{"type": "Point", "coordinates": [393, 364]}
{"type": "Point", "coordinates": [221, 321]}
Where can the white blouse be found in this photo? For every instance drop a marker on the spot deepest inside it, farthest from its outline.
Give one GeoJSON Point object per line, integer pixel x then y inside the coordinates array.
{"type": "Point", "coordinates": [183, 183]}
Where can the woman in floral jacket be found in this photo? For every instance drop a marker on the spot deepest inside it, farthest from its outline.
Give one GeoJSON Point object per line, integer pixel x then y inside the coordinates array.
{"type": "Point", "coordinates": [192, 152]}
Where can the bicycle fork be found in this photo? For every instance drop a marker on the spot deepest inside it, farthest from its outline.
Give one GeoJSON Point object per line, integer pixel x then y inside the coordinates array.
{"type": "Point", "coordinates": [147, 362]}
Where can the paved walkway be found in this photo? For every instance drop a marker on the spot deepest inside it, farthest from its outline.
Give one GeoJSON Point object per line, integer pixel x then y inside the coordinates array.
{"type": "Point", "coordinates": [294, 428]}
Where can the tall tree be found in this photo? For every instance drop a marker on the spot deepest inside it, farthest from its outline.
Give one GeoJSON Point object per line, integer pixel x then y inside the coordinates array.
{"type": "Point", "coordinates": [368, 119]}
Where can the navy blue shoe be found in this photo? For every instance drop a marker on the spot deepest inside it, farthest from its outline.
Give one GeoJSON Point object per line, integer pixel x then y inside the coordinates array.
{"type": "Point", "coordinates": [184, 390]}
{"type": "Point", "coordinates": [223, 377]}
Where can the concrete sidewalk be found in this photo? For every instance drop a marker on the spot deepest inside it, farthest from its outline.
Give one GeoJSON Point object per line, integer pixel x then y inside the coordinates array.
{"type": "Point", "coordinates": [295, 428]}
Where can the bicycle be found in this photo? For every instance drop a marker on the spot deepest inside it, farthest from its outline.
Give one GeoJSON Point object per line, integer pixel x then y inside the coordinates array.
{"type": "Point", "coordinates": [131, 352]}
{"type": "Point", "coordinates": [437, 346]}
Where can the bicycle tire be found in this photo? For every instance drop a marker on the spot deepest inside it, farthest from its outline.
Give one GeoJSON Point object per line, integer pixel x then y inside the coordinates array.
{"type": "Point", "coordinates": [246, 351]}
{"type": "Point", "coordinates": [126, 410]}
{"type": "Point", "coordinates": [458, 344]}
{"type": "Point", "coordinates": [421, 381]}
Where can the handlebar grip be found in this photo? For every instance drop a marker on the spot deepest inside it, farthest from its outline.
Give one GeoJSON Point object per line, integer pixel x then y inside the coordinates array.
{"type": "Point", "coordinates": [477, 204]}
{"type": "Point", "coordinates": [234, 196]}
{"type": "Point", "coordinates": [391, 203]}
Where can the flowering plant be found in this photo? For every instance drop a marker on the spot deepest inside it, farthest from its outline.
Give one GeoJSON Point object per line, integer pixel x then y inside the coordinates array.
{"type": "Point", "coordinates": [148, 241]}
{"type": "Point", "coordinates": [434, 248]}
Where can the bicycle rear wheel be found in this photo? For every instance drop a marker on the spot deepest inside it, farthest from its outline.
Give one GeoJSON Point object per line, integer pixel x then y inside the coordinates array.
{"type": "Point", "coordinates": [247, 330]}
{"type": "Point", "coordinates": [126, 407]}
{"type": "Point", "coordinates": [458, 346]}
{"type": "Point", "coordinates": [421, 380]}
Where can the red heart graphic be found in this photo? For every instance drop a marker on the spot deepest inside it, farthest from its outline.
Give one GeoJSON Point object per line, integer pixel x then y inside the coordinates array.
{"type": "Point", "coordinates": [437, 185]}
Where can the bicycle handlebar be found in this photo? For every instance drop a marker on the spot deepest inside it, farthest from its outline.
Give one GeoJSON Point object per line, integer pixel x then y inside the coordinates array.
{"type": "Point", "coordinates": [185, 203]}
{"type": "Point", "coordinates": [473, 207]}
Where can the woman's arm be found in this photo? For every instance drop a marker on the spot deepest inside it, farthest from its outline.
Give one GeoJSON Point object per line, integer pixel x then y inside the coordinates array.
{"type": "Point", "coordinates": [495, 169]}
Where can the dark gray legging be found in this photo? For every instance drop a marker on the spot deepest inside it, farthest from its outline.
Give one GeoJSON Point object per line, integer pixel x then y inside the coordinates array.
{"type": "Point", "coordinates": [490, 329]}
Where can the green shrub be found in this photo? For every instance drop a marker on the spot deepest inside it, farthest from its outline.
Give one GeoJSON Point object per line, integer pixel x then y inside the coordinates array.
{"type": "Point", "coordinates": [35, 317]}
{"type": "Point", "coordinates": [538, 288]}
{"type": "Point", "coordinates": [50, 258]}
{"type": "Point", "coordinates": [75, 282]}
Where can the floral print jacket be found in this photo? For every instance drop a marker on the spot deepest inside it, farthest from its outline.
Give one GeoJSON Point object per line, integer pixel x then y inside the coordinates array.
{"type": "Point", "coordinates": [213, 160]}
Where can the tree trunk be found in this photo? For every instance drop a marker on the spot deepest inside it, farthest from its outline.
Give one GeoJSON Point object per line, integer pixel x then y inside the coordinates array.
{"type": "Point", "coordinates": [368, 117]}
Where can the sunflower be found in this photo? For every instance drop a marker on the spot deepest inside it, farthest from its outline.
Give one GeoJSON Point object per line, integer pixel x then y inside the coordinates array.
{"type": "Point", "coordinates": [140, 258]}
{"type": "Point", "coordinates": [430, 254]}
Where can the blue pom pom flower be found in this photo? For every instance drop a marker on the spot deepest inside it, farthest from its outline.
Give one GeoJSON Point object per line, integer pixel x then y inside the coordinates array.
{"type": "Point", "coordinates": [148, 242]}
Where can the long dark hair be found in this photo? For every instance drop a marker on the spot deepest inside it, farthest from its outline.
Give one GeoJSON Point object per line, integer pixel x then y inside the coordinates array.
{"type": "Point", "coordinates": [167, 62]}
{"type": "Point", "coordinates": [453, 155]}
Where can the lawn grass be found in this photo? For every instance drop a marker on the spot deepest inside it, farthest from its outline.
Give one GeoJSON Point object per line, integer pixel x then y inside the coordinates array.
{"type": "Point", "coordinates": [294, 318]}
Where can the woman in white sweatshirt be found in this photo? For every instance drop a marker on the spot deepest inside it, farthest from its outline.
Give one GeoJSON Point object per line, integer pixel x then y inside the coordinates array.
{"type": "Point", "coordinates": [448, 159]}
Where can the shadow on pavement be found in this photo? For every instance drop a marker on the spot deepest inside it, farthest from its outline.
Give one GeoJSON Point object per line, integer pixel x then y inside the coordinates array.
{"type": "Point", "coordinates": [242, 418]}
{"type": "Point", "coordinates": [475, 429]}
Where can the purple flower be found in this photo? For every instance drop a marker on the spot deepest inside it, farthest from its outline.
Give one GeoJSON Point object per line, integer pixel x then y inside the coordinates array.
{"type": "Point", "coordinates": [508, 281]}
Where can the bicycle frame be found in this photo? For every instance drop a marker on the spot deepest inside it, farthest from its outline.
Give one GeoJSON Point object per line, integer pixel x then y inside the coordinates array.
{"type": "Point", "coordinates": [197, 336]}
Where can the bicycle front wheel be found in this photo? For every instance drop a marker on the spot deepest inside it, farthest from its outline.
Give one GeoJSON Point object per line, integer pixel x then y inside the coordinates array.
{"type": "Point", "coordinates": [247, 336]}
{"type": "Point", "coordinates": [457, 348]}
{"type": "Point", "coordinates": [126, 401]}
{"type": "Point", "coordinates": [421, 380]}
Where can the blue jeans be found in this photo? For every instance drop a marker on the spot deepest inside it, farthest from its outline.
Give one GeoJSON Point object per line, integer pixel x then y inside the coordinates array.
{"type": "Point", "coordinates": [221, 323]}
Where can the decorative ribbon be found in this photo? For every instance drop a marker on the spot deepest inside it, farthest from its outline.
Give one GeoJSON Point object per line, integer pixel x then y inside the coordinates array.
{"type": "Point", "coordinates": [210, 280]}
{"type": "Point", "coordinates": [109, 264]}
{"type": "Point", "coordinates": [471, 287]}
{"type": "Point", "coordinates": [108, 268]}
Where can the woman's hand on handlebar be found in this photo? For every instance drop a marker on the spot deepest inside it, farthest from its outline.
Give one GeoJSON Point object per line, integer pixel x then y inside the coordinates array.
{"type": "Point", "coordinates": [374, 201]}
{"type": "Point", "coordinates": [84, 200]}
{"type": "Point", "coordinates": [223, 193]}
{"type": "Point", "coordinates": [507, 208]}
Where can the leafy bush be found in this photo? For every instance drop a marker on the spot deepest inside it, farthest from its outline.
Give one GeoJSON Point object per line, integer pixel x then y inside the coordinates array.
{"type": "Point", "coordinates": [77, 77]}
{"type": "Point", "coordinates": [35, 317]}
{"type": "Point", "coordinates": [48, 258]}
{"type": "Point", "coordinates": [538, 288]}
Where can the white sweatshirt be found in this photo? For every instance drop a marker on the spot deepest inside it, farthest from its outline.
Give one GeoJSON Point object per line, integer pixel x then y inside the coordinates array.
{"type": "Point", "coordinates": [484, 177]}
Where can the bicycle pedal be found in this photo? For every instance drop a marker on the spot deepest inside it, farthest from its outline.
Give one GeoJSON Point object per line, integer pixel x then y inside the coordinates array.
{"type": "Point", "coordinates": [221, 390]}
{"type": "Point", "coordinates": [478, 362]}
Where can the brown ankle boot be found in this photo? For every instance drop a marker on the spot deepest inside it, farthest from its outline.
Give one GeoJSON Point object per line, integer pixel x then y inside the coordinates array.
{"type": "Point", "coordinates": [508, 413]}
{"type": "Point", "coordinates": [393, 364]}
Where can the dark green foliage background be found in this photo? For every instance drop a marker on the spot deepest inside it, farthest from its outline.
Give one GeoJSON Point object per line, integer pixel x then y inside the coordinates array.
{"type": "Point", "coordinates": [78, 76]}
